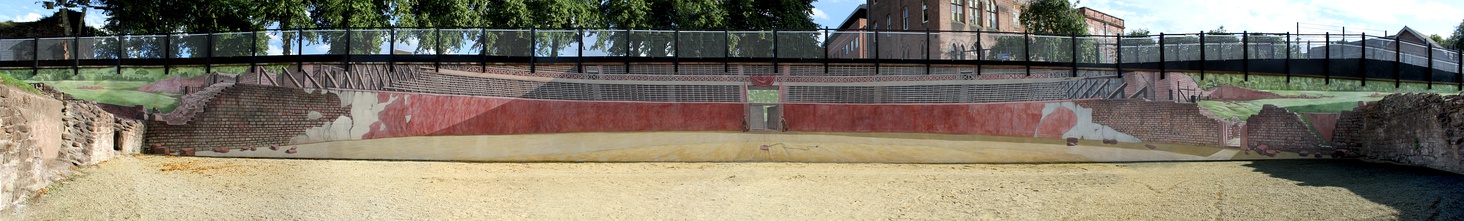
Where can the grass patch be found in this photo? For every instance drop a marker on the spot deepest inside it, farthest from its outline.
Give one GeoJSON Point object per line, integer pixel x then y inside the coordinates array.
{"type": "Point", "coordinates": [1326, 102]}
{"type": "Point", "coordinates": [17, 83]}
{"type": "Point", "coordinates": [1269, 82]}
{"type": "Point", "coordinates": [117, 92]}
{"type": "Point", "coordinates": [1337, 107]}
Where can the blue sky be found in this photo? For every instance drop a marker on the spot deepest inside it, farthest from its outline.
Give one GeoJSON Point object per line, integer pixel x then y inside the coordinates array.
{"type": "Point", "coordinates": [1170, 16]}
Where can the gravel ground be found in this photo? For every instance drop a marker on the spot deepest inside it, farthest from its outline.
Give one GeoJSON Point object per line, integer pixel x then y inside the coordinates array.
{"type": "Point", "coordinates": [195, 188]}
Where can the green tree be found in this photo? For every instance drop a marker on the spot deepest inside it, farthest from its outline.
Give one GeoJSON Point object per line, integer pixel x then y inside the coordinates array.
{"type": "Point", "coordinates": [1049, 20]}
{"type": "Point", "coordinates": [1456, 40]}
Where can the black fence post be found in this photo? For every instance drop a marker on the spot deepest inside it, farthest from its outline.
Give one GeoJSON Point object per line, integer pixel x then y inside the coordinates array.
{"type": "Point", "coordinates": [1245, 53]}
{"type": "Point", "coordinates": [776, 68]}
{"type": "Point", "coordinates": [1163, 62]}
{"type": "Point", "coordinates": [1397, 62]}
{"type": "Point", "coordinates": [300, 50]}
{"type": "Point", "coordinates": [533, 49]}
{"type": "Point", "coordinates": [346, 67]}
{"type": "Point", "coordinates": [1288, 57]}
{"type": "Point", "coordinates": [980, 53]}
{"type": "Point", "coordinates": [437, 49]}
{"type": "Point", "coordinates": [1027, 51]}
{"type": "Point", "coordinates": [1118, 54]}
{"type": "Point", "coordinates": [675, 50]}
{"type": "Point", "coordinates": [254, 51]}
{"type": "Point", "coordinates": [120, 52]}
{"type": "Point", "coordinates": [1459, 68]}
{"type": "Point", "coordinates": [876, 52]}
{"type": "Point", "coordinates": [1327, 52]}
{"type": "Point", "coordinates": [208, 53]}
{"type": "Point", "coordinates": [628, 32]}
{"type": "Point", "coordinates": [1073, 41]}
{"type": "Point", "coordinates": [483, 52]}
{"type": "Point", "coordinates": [167, 54]}
{"type": "Point", "coordinates": [391, 47]}
{"type": "Point", "coordinates": [1203, 66]}
{"type": "Point", "coordinates": [927, 51]}
{"type": "Point", "coordinates": [1430, 66]}
{"type": "Point", "coordinates": [36, 57]}
{"type": "Point", "coordinates": [726, 50]}
{"type": "Point", "coordinates": [1362, 60]}
{"type": "Point", "coordinates": [76, 53]}
{"type": "Point", "coordinates": [826, 44]}
{"type": "Point", "coordinates": [579, 60]}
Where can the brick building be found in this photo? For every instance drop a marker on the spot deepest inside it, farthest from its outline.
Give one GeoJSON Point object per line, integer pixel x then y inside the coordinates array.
{"type": "Point", "coordinates": [1100, 23]}
{"type": "Point", "coordinates": [902, 27]}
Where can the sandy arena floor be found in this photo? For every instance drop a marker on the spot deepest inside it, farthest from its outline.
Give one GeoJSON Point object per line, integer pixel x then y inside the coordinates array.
{"type": "Point", "coordinates": [197, 188]}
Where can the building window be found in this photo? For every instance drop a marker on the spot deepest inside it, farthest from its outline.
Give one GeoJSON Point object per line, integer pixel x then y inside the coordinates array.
{"type": "Point", "coordinates": [957, 10]}
{"type": "Point", "coordinates": [924, 12]}
{"type": "Point", "coordinates": [991, 21]}
{"type": "Point", "coordinates": [973, 18]}
{"type": "Point", "coordinates": [906, 21]}
{"type": "Point", "coordinates": [1016, 17]}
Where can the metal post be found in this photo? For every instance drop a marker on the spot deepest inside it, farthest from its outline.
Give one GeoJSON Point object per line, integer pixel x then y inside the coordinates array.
{"type": "Point", "coordinates": [1397, 63]}
{"type": "Point", "coordinates": [980, 54]}
{"type": "Point", "coordinates": [1245, 53]}
{"type": "Point", "coordinates": [876, 52]}
{"type": "Point", "coordinates": [391, 47]}
{"type": "Point", "coordinates": [167, 54]}
{"type": "Point", "coordinates": [1118, 54]}
{"type": "Point", "coordinates": [627, 49]}
{"type": "Point", "coordinates": [75, 53]}
{"type": "Point", "coordinates": [1073, 41]}
{"type": "Point", "coordinates": [927, 51]}
{"type": "Point", "coordinates": [208, 53]}
{"type": "Point", "coordinates": [775, 51]}
{"type": "Point", "coordinates": [253, 50]}
{"type": "Point", "coordinates": [36, 57]}
{"type": "Point", "coordinates": [346, 67]}
{"type": "Point", "coordinates": [726, 50]}
{"type": "Point", "coordinates": [1027, 51]}
{"type": "Point", "coordinates": [1288, 57]}
{"type": "Point", "coordinates": [533, 49]}
{"type": "Point", "coordinates": [300, 49]}
{"type": "Point", "coordinates": [1430, 66]}
{"type": "Point", "coordinates": [1362, 60]}
{"type": "Point", "coordinates": [579, 60]}
{"type": "Point", "coordinates": [1163, 62]}
{"type": "Point", "coordinates": [1327, 64]}
{"type": "Point", "coordinates": [483, 52]}
{"type": "Point", "coordinates": [1202, 56]}
{"type": "Point", "coordinates": [120, 51]}
{"type": "Point", "coordinates": [437, 49]}
{"type": "Point", "coordinates": [826, 50]}
{"type": "Point", "coordinates": [675, 50]}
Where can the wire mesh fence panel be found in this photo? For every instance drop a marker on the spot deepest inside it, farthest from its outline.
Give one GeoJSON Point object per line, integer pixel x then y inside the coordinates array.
{"type": "Point", "coordinates": [370, 42]}
{"type": "Point", "coordinates": [18, 49]}
{"type": "Point", "coordinates": [1445, 60]}
{"type": "Point", "coordinates": [512, 42]}
{"type": "Point", "coordinates": [751, 44]}
{"type": "Point", "coordinates": [1378, 48]}
{"type": "Point", "coordinates": [1267, 46]}
{"type": "Point", "coordinates": [460, 41]}
{"type": "Point", "coordinates": [280, 43]}
{"type": "Point", "coordinates": [955, 46]}
{"type": "Point", "coordinates": [652, 43]}
{"type": "Point", "coordinates": [1181, 48]}
{"type": "Point", "coordinates": [1140, 49]}
{"type": "Point", "coordinates": [1414, 54]}
{"type": "Point", "coordinates": [101, 47]}
{"type": "Point", "coordinates": [143, 47]}
{"type": "Point", "coordinates": [1098, 50]}
{"type": "Point", "coordinates": [416, 41]}
{"type": "Point", "coordinates": [56, 49]}
{"type": "Point", "coordinates": [1311, 46]}
{"type": "Point", "coordinates": [1051, 49]}
{"type": "Point", "coordinates": [556, 43]}
{"type": "Point", "coordinates": [319, 42]}
{"type": "Point", "coordinates": [1005, 47]}
{"type": "Point", "coordinates": [702, 44]}
{"type": "Point", "coordinates": [233, 44]}
{"type": "Point", "coordinates": [800, 44]}
{"type": "Point", "coordinates": [902, 45]}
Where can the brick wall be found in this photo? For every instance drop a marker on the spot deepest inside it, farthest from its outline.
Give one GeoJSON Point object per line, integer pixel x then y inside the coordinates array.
{"type": "Point", "coordinates": [1409, 129]}
{"type": "Point", "coordinates": [1282, 130]}
{"type": "Point", "coordinates": [1154, 121]}
{"type": "Point", "coordinates": [249, 115]}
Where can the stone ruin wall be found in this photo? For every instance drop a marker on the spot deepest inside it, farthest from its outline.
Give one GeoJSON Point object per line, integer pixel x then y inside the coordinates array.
{"type": "Point", "coordinates": [1410, 129]}
{"type": "Point", "coordinates": [43, 136]}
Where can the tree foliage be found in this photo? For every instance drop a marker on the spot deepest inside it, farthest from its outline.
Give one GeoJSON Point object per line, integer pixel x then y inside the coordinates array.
{"type": "Point", "coordinates": [1053, 17]}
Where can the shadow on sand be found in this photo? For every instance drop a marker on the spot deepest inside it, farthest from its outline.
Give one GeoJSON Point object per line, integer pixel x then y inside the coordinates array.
{"type": "Point", "coordinates": [1417, 193]}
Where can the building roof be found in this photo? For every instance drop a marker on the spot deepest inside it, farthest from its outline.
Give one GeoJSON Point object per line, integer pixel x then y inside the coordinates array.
{"type": "Point", "coordinates": [860, 12]}
{"type": "Point", "coordinates": [1410, 31]}
{"type": "Point", "coordinates": [1104, 14]}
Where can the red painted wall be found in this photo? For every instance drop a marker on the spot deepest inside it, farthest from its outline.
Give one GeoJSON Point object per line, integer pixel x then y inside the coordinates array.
{"type": "Point", "coordinates": [1003, 119]}
{"type": "Point", "coordinates": [433, 115]}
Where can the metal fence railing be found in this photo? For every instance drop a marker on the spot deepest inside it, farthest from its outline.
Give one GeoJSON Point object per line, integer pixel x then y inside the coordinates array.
{"type": "Point", "coordinates": [1317, 54]}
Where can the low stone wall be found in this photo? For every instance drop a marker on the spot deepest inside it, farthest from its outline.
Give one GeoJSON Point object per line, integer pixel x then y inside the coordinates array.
{"type": "Point", "coordinates": [1276, 129]}
{"type": "Point", "coordinates": [1158, 121]}
{"type": "Point", "coordinates": [43, 137]}
{"type": "Point", "coordinates": [1410, 129]}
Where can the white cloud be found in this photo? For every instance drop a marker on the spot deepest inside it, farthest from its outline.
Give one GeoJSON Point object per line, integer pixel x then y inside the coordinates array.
{"type": "Point", "coordinates": [819, 14]}
{"type": "Point", "coordinates": [28, 17]}
{"type": "Point", "coordinates": [94, 20]}
{"type": "Point", "coordinates": [1276, 16]}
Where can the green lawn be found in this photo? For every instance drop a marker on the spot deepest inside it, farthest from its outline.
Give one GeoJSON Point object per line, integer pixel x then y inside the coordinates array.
{"type": "Point", "coordinates": [1328, 102]}
{"type": "Point", "coordinates": [118, 92]}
